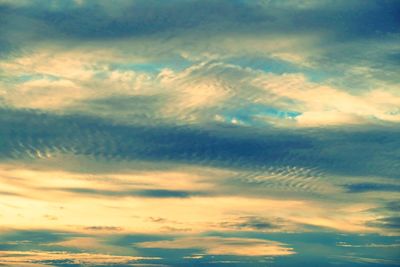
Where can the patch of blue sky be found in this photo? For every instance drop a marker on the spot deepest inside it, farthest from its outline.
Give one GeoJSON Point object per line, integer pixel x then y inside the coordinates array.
{"type": "Point", "coordinates": [276, 66]}
{"type": "Point", "coordinates": [152, 67]}
{"type": "Point", "coordinates": [250, 114]}
{"type": "Point", "coordinates": [140, 67]}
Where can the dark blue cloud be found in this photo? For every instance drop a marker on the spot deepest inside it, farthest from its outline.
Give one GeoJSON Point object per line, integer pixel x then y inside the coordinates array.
{"type": "Point", "coordinates": [252, 222]}
{"type": "Point", "coordinates": [96, 20]}
{"type": "Point", "coordinates": [339, 21]}
{"type": "Point", "coordinates": [151, 193]}
{"type": "Point", "coordinates": [367, 187]}
{"type": "Point", "coordinates": [26, 240]}
{"type": "Point", "coordinates": [93, 20]}
{"type": "Point", "coordinates": [36, 237]}
{"type": "Point", "coordinates": [387, 222]}
{"type": "Point", "coordinates": [348, 33]}
{"type": "Point", "coordinates": [393, 206]}
{"type": "Point", "coordinates": [357, 151]}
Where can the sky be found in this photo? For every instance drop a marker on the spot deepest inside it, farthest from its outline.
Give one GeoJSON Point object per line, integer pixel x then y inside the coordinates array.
{"type": "Point", "coordinates": [199, 133]}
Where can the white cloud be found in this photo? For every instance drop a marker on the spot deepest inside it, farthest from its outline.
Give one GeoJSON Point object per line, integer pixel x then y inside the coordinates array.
{"type": "Point", "coordinates": [325, 105]}
{"type": "Point", "coordinates": [67, 80]}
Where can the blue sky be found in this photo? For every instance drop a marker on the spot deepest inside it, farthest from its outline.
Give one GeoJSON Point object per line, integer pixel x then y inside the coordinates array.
{"type": "Point", "coordinates": [199, 133]}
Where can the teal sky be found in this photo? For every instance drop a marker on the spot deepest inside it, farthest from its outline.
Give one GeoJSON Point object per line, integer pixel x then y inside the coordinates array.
{"type": "Point", "coordinates": [199, 133]}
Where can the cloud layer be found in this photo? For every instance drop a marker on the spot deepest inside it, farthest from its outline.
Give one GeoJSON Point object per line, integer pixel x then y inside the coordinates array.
{"type": "Point", "coordinates": [199, 133]}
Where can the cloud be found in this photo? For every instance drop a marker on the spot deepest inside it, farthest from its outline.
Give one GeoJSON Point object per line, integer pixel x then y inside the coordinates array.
{"type": "Point", "coordinates": [50, 257]}
{"type": "Point", "coordinates": [334, 151]}
{"type": "Point", "coordinates": [150, 18]}
{"type": "Point", "coordinates": [195, 76]}
{"type": "Point", "coordinates": [368, 260]}
{"type": "Point", "coordinates": [259, 224]}
{"type": "Point", "coordinates": [372, 245]}
{"type": "Point", "coordinates": [87, 197]}
{"type": "Point", "coordinates": [153, 193]}
{"type": "Point", "coordinates": [92, 245]}
{"type": "Point", "coordinates": [103, 228]}
{"type": "Point", "coordinates": [197, 131]}
{"type": "Point", "coordinates": [224, 246]}
{"type": "Point", "coordinates": [387, 222]}
{"type": "Point", "coordinates": [255, 223]}
{"type": "Point", "coordinates": [199, 93]}
{"type": "Point", "coordinates": [366, 187]}
{"type": "Point", "coordinates": [325, 105]}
